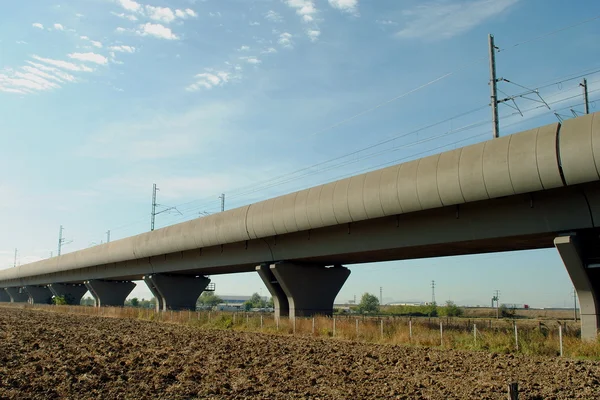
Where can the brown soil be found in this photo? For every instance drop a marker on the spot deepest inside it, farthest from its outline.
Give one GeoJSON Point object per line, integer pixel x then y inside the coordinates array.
{"type": "Point", "coordinates": [46, 356]}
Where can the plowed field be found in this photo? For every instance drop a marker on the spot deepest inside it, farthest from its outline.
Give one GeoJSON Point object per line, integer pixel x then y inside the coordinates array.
{"type": "Point", "coordinates": [48, 356]}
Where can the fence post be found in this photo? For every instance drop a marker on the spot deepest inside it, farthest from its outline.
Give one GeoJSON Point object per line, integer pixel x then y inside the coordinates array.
{"type": "Point", "coordinates": [475, 333]}
{"type": "Point", "coordinates": [333, 326]}
{"type": "Point", "coordinates": [560, 339]}
{"type": "Point", "coordinates": [513, 391]}
{"type": "Point", "coordinates": [294, 324]}
{"type": "Point", "coordinates": [441, 334]}
{"type": "Point", "coordinates": [313, 326]}
{"type": "Point", "coordinates": [277, 323]}
{"type": "Point", "coordinates": [357, 328]}
{"type": "Point", "coordinates": [516, 337]}
{"type": "Point", "coordinates": [381, 328]}
{"type": "Point", "coordinates": [247, 319]}
{"type": "Point", "coordinates": [410, 329]}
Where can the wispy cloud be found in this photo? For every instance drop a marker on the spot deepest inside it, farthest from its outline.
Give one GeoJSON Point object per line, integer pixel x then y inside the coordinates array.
{"type": "Point", "coordinates": [130, 17]}
{"type": "Point", "coordinates": [63, 64]}
{"type": "Point", "coordinates": [348, 6]}
{"type": "Point", "coordinates": [251, 60]}
{"type": "Point", "coordinates": [254, 23]}
{"type": "Point", "coordinates": [244, 48]}
{"type": "Point", "coordinates": [64, 76]}
{"type": "Point", "coordinates": [313, 34]}
{"type": "Point", "coordinates": [443, 19]}
{"type": "Point", "coordinates": [285, 40]}
{"type": "Point", "coordinates": [37, 25]}
{"type": "Point", "coordinates": [270, 50]}
{"type": "Point", "coordinates": [130, 5]}
{"type": "Point", "coordinates": [162, 14]}
{"type": "Point", "coordinates": [123, 49]}
{"type": "Point", "coordinates": [59, 27]}
{"type": "Point", "coordinates": [161, 136]}
{"type": "Point", "coordinates": [90, 57]}
{"type": "Point", "coordinates": [273, 16]}
{"type": "Point", "coordinates": [207, 80]}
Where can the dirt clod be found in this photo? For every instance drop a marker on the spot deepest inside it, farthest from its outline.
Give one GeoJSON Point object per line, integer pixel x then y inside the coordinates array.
{"type": "Point", "coordinates": [50, 356]}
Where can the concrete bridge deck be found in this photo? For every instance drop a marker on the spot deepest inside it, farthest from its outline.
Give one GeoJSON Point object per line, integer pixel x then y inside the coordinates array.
{"type": "Point", "coordinates": [521, 191]}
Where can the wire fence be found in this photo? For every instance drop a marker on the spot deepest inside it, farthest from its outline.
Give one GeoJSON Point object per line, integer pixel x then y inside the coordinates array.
{"type": "Point", "coordinates": [532, 337]}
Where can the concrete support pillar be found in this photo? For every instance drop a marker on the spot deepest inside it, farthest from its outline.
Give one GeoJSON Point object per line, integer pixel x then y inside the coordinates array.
{"type": "Point", "coordinates": [39, 294]}
{"type": "Point", "coordinates": [577, 253]}
{"type": "Point", "coordinates": [109, 293]}
{"type": "Point", "coordinates": [17, 295]}
{"type": "Point", "coordinates": [280, 300]}
{"type": "Point", "coordinates": [4, 297]}
{"type": "Point", "coordinates": [309, 289]}
{"type": "Point", "coordinates": [176, 292]}
{"type": "Point", "coordinates": [72, 293]}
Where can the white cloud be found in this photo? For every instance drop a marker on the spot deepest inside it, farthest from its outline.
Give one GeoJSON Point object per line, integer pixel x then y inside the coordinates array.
{"type": "Point", "coordinates": [78, 15]}
{"type": "Point", "coordinates": [251, 60]}
{"type": "Point", "coordinates": [130, 5]}
{"type": "Point", "coordinates": [44, 84]}
{"type": "Point", "coordinates": [285, 40]}
{"type": "Point", "coordinates": [89, 57]}
{"type": "Point", "coordinates": [63, 64]}
{"type": "Point", "coordinates": [96, 44]}
{"type": "Point", "coordinates": [37, 25]}
{"type": "Point", "coordinates": [120, 30]}
{"type": "Point", "coordinates": [207, 80]}
{"type": "Point", "coordinates": [39, 72]}
{"type": "Point", "coordinates": [156, 30]}
{"type": "Point", "coordinates": [386, 22]}
{"type": "Point", "coordinates": [443, 19]}
{"type": "Point", "coordinates": [21, 42]}
{"type": "Point", "coordinates": [349, 6]}
{"type": "Point", "coordinates": [212, 14]}
{"type": "Point", "coordinates": [125, 16]}
{"type": "Point", "coordinates": [313, 34]}
{"type": "Point", "coordinates": [60, 74]}
{"type": "Point", "coordinates": [273, 16]}
{"type": "Point", "coordinates": [244, 48]}
{"type": "Point", "coordinates": [123, 49]}
{"type": "Point", "coordinates": [24, 82]}
{"type": "Point", "coordinates": [59, 27]}
{"type": "Point", "coordinates": [84, 38]}
{"type": "Point", "coordinates": [254, 23]}
{"type": "Point", "coordinates": [162, 14]}
{"type": "Point", "coordinates": [269, 50]}
{"type": "Point", "coordinates": [305, 8]}
{"type": "Point", "coordinates": [183, 14]}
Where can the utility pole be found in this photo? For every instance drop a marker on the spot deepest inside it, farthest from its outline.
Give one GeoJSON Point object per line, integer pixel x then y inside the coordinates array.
{"type": "Point", "coordinates": [153, 215]}
{"type": "Point", "coordinates": [574, 293]}
{"type": "Point", "coordinates": [60, 239]}
{"type": "Point", "coordinates": [493, 87]}
{"type": "Point", "coordinates": [432, 292]}
{"type": "Point", "coordinates": [108, 236]}
{"type": "Point", "coordinates": [586, 102]}
{"type": "Point", "coordinates": [222, 197]}
{"type": "Point", "coordinates": [380, 295]}
{"type": "Point", "coordinates": [15, 264]}
{"type": "Point", "coordinates": [497, 299]}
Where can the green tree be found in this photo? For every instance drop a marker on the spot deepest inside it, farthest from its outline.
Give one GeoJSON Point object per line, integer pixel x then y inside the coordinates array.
{"type": "Point", "coordinates": [135, 302]}
{"type": "Point", "coordinates": [255, 301]}
{"type": "Point", "coordinates": [209, 299]}
{"type": "Point", "coordinates": [59, 300]}
{"type": "Point", "coordinates": [368, 304]}
{"type": "Point", "coordinates": [450, 310]}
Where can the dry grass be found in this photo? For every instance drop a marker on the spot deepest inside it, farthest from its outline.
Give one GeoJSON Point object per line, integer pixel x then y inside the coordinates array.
{"type": "Point", "coordinates": [534, 337]}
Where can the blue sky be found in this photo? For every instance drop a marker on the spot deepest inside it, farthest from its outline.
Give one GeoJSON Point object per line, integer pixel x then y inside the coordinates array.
{"type": "Point", "coordinates": [99, 99]}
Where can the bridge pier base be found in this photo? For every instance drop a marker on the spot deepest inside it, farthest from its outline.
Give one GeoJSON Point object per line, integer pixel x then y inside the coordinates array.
{"type": "Point", "coordinates": [306, 289]}
{"type": "Point", "coordinates": [176, 292]}
{"type": "Point", "coordinates": [72, 293]}
{"type": "Point", "coordinates": [17, 295]}
{"type": "Point", "coordinates": [38, 294]}
{"type": "Point", "coordinates": [578, 252]}
{"type": "Point", "coordinates": [109, 293]}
